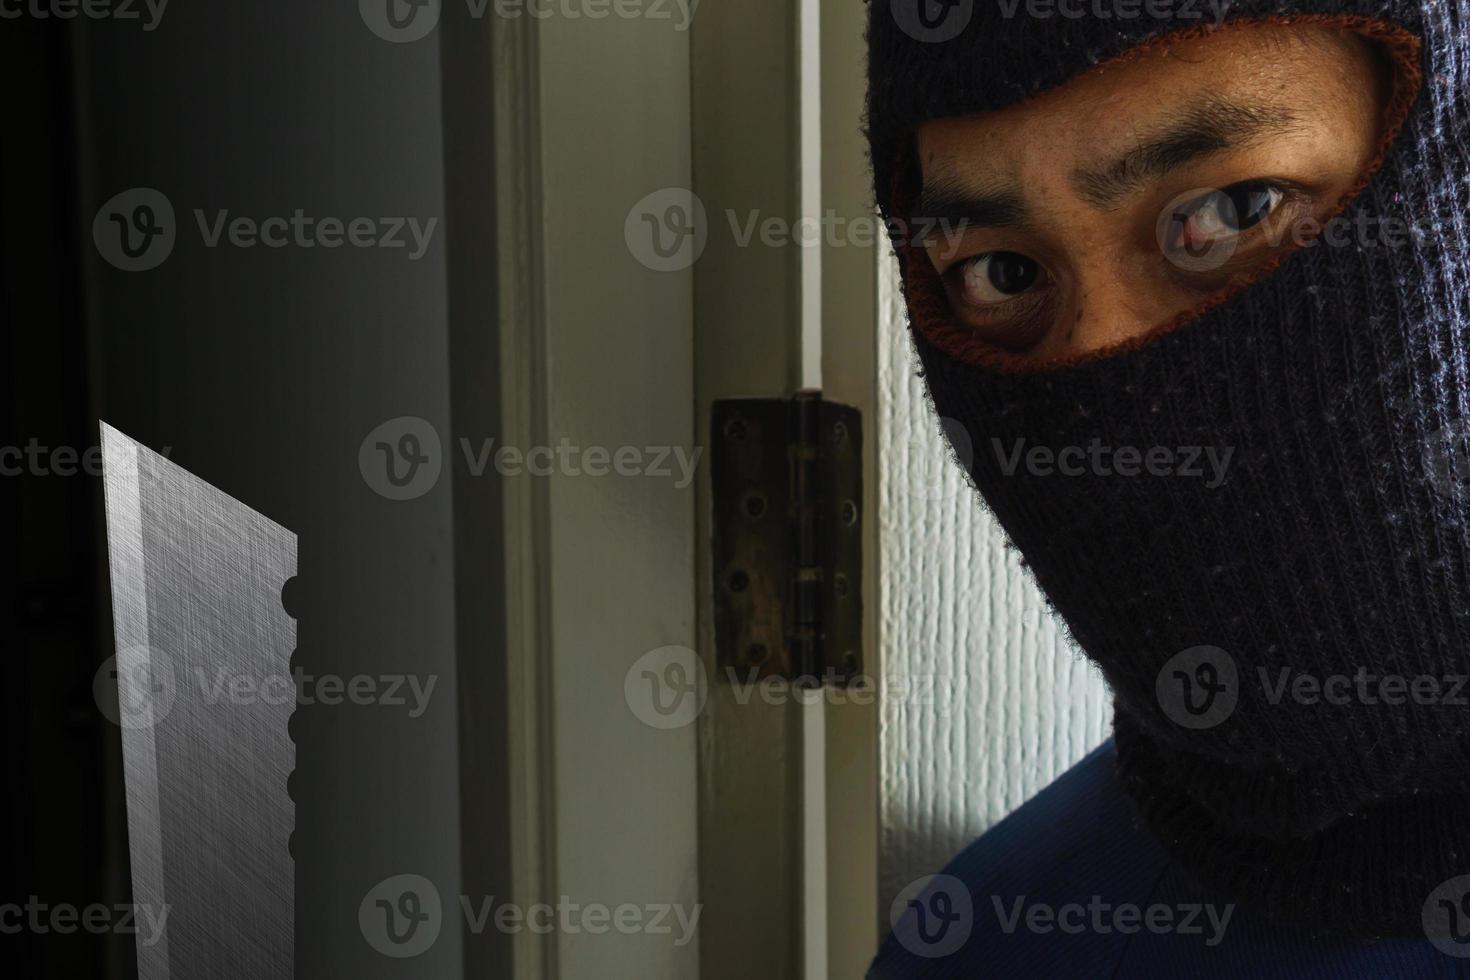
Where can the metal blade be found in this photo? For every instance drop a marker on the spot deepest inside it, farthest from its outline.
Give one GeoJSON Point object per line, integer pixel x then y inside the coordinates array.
{"type": "Point", "coordinates": [204, 695]}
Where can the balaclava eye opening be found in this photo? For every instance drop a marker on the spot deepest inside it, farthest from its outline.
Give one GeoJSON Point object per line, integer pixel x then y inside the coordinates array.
{"type": "Point", "coordinates": [1287, 635]}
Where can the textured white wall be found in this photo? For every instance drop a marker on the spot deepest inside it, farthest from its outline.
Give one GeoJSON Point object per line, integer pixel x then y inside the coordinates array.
{"type": "Point", "coordinates": [987, 701]}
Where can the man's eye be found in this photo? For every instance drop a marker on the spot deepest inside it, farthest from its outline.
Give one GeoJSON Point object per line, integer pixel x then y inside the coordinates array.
{"type": "Point", "coordinates": [1206, 221]}
{"type": "Point", "coordinates": [996, 277]}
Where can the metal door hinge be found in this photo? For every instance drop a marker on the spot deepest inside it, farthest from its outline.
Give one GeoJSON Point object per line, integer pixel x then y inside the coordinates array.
{"type": "Point", "coordinates": [788, 503]}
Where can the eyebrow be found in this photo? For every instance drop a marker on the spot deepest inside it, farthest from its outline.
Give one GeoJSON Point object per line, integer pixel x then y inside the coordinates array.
{"type": "Point", "coordinates": [1210, 126]}
{"type": "Point", "coordinates": [953, 202]}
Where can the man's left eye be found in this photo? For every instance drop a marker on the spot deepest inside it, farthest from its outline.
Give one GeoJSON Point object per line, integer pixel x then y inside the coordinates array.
{"type": "Point", "coordinates": [1211, 218]}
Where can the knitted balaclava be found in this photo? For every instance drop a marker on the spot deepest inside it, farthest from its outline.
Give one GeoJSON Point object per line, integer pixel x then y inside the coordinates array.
{"type": "Point", "coordinates": [1286, 645]}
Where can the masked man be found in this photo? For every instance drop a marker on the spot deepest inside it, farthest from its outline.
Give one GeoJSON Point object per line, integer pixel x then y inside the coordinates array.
{"type": "Point", "coordinates": [1132, 231]}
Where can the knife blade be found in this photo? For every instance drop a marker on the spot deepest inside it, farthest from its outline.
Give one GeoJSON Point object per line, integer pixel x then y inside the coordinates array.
{"type": "Point", "coordinates": [204, 695]}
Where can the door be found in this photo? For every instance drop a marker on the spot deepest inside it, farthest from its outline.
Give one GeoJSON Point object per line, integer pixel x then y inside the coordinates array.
{"type": "Point", "coordinates": [694, 213]}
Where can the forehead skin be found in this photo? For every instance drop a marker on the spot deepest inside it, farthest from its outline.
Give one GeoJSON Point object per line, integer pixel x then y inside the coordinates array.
{"type": "Point", "coordinates": [1315, 72]}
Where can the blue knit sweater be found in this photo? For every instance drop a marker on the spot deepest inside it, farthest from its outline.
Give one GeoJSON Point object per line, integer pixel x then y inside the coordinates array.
{"type": "Point", "coordinates": [1072, 886]}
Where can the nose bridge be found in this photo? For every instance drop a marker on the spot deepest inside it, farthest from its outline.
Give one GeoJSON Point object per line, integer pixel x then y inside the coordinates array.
{"type": "Point", "coordinates": [1109, 302]}
{"type": "Point", "coordinates": [1110, 293]}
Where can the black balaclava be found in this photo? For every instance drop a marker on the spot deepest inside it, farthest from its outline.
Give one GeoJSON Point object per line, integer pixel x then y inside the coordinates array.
{"type": "Point", "coordinates": [1337, 545]}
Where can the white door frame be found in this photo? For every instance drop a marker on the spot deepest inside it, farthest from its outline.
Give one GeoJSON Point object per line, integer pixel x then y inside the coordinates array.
{"type": "Point", "coordinates": [765, 815]}
{"type": "Point", "coordinates": [592, 114]}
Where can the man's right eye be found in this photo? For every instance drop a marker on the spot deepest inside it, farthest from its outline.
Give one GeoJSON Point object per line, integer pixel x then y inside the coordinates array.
{"type": "Point", "coordinates": [998, 277]}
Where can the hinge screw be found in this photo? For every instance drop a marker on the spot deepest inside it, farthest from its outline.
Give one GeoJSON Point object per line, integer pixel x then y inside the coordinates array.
{"type": "Point", "coordinates": [735, 429]}
{"type": "Point", "coordinates": [738, 581]}
{"type": "Point", "coordinates": [849, 512]}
